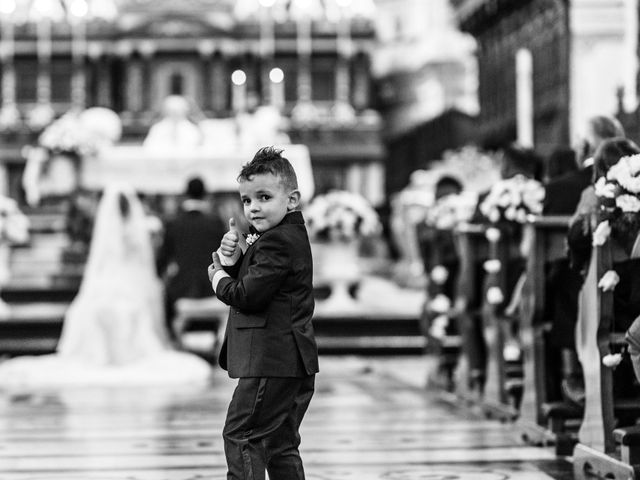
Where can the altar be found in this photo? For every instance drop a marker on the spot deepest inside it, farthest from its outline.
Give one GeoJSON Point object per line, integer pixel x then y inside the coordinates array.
{"type": "Point", "coordinates": [166, 172]}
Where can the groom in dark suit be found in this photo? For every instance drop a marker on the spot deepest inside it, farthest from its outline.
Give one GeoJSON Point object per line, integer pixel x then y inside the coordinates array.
{"type": "Point", "coordinates": [188, 240]}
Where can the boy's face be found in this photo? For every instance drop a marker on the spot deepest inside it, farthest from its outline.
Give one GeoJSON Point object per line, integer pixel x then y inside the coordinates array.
{"type": "Point", "coordinates": [266, 201]}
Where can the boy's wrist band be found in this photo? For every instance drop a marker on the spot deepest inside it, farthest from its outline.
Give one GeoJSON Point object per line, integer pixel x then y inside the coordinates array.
{"type": "Point", "coordinates": [217, 276]}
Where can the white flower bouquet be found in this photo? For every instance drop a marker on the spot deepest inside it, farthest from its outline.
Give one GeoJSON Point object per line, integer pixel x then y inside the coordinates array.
{"type": "Point", "coordinates": [619, 195]}
{"type": "Point", "coordinates": [513, 199]}
{"type": "Point", "coordinates": [451, 210]}
{"type": "Point", "coordinates": [67, 135]}
{"type": "Point", "coordinates": [341, 215]}
{"type": "Point", "coordinates": [622, 185]}
{"type": "Point", "coordinates": [14, 225]}
{"type": "Point", "coordinates": [82, 134]}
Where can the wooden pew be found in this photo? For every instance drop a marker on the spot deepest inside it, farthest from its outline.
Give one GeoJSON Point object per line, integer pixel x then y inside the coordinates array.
{"type": "Point", "coordinates": [597, 455]}
{"type": "Point", "coordinates": [472, 248]}
{"type": "Point", "coordinates": [441, 264]}
{"type": "Point", "coordinates": [548, 237]}
{"type": "Point", "coordinates": [500, 399]}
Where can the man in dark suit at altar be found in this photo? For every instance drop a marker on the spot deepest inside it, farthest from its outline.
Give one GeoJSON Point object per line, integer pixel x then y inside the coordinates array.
{"type": "Point", "coordinates": [186, 246]}
{"type": "Point", "coordinates": [563, 283]}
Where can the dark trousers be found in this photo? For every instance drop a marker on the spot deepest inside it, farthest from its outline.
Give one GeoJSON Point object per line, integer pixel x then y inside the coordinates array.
{"type": "Point", "coordinates": [261, 429]}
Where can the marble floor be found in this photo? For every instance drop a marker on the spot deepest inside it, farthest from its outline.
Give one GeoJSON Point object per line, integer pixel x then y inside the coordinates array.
{"type": "Point", "coordinates": [371, 419]}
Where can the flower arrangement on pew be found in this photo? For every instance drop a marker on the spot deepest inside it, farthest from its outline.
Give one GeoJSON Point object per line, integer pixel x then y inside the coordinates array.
{"type": "Point", "coordinates": [619, 195]}
{"type": "Point", "coordinates": [451, 210]}
{"type": "Point", "coordinates": [82, 134]}
{"type": "Point", "coordinates": [445, 214]}
{"type": "Point", "coordinates": [513, 199]}
{"type": "Point", "coordinates": [341, 216]}
{"type": "Point", "coordinates": [67, 135]}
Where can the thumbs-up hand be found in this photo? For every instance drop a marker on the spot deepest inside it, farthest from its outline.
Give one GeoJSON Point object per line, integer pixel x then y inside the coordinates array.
{"type": "Point", "coordinates": [232, 240]}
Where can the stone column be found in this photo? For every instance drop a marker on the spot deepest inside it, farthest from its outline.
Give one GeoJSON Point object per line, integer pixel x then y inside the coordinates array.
{"type": "Point", "coordinates": [43, 92]}
{"type": "Point", "coordinates": [524, 98]}
{"type": "Point", "coordinates": [147, 50]}
{"type": "Point", "coordinates": [124, 51]}
{"type": "Point", "coordinates": [267, 53]}
{"type": "Point", "coordinates": [42, 114]}
{"type": "Point", "coordinates": [220, 84]}
{"type": "Point", "coordinates": [304, 46]}
{"type": "Point", "coordinates": [343, 110]}
{"type": "Point", "coordinates": [206, 48]}
{"type": "Point", "coordinates": [361, 83]}
{"type": "Point", "coordinates": [135, 85]}
{"type": "Point", "coordinates": [304, 112]}
{"type": "Point", "coordinates": [9, 108]}
{"type": "Point", "coordinates": [101, 70]}
{"type": "Point", "coordinates": [78, 74]}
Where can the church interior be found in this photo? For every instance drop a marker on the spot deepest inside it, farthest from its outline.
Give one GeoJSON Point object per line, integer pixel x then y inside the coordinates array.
{"type": "Point", "coordinates": [469, 182]}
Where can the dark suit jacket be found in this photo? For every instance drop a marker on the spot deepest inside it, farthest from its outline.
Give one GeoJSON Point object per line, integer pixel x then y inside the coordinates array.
{"type": "Point", "coordinates": [563, 194]}
{"type": "Point", "coordinates": [188, 241]}
{"type": "Point", "coordinates": [270, 291]}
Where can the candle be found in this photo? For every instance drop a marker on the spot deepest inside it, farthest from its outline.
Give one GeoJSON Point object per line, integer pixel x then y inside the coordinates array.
{"type": "Point", "coordinates": [524, 97]}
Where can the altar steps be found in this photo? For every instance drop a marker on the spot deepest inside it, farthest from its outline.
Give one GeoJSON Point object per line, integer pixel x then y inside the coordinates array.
{"type": "Point", "coordinates": [368, 334]}
{"type": "Point", "coordinates": [35, 327]}
{"type": "Point", "coordinates": [44, 269]}
{"type": "Point", "coordinates": [46, 275]}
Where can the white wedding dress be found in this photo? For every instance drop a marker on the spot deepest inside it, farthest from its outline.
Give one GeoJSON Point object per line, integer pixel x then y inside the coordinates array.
{"type": "Point", "coordinates": [113, 331]}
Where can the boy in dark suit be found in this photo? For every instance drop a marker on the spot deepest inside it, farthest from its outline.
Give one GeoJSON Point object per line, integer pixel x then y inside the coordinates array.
{"type": "Point", "coordinates": [269, 343]}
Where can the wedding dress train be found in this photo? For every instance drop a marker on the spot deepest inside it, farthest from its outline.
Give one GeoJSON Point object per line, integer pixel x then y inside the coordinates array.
{"type": "Point", "coordinates": [113, 331]}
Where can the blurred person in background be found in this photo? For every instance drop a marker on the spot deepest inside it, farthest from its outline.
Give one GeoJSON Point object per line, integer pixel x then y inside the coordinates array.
{"type": "Point", "coordinates": [562, 160]}
{"type": "Point", "coordinates": [186, 246]}
{"type": "Point", "coordinates": [113, 331]}
{"type": "Point", "coordinates": [563, 193]}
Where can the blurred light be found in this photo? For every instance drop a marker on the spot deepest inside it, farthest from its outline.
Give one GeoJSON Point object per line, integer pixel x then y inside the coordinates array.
{"type": "Point", "coordinates": [307, 10]}
{"type": "Point", "coordinates": [46, 9]}
{"type": "Point", "coordinates": [276, 75]}
{"type": "Point", "coordinates": [238, 77]}
{"type": "Point", "coordinates": [245, 9]}
{"type": "Point", "coordinates": [267, 3]}
{"type": "Point", "coordinates": [103, 9]}
{"type": "Point", "coordinates": [7, 7]}
{"type": "Point", "coordinates": [363, 8]}
{"type": "Point", "coordinates": [343, 3]}
{"type": "Point", "coordinates": [78, 8]}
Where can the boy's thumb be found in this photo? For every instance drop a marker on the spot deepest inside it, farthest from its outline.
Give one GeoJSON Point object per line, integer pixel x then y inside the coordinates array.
{"type": "Point", "coordinates": [232, 224]}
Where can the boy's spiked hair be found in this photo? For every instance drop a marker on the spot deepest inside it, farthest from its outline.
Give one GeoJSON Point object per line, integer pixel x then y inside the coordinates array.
{"type": "Point", "coordinates": [270, 160]}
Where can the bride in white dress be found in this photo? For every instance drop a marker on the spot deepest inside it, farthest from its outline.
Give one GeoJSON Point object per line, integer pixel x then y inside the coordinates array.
{"type": "Point", "coordinates": [113, 331]}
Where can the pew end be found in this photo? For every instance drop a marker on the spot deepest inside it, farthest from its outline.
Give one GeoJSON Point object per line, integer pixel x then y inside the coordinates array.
{"type": "Point", "coordinates": [543, 420]}
{"type": "Point", "coordinates": [628, 439]}
{"type": "Point", "coordinates": [471, 248]}
{"type": "Point", "coordinates": [589, 463]}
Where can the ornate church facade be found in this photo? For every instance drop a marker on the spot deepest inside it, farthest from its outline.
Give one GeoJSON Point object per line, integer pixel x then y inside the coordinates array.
{"type": "Point", "coordinates": [225, 57]}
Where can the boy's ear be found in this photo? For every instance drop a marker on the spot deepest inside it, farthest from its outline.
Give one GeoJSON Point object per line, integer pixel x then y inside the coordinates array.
{"type": "Point", "coordinates": [294, 200]}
